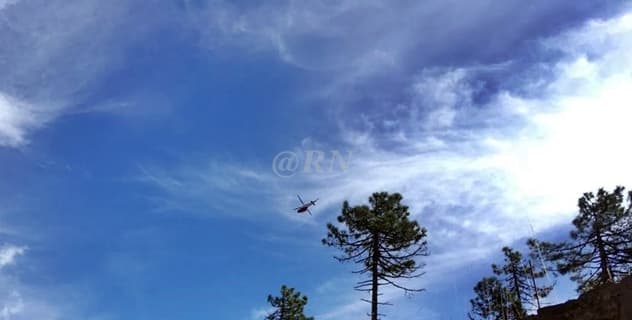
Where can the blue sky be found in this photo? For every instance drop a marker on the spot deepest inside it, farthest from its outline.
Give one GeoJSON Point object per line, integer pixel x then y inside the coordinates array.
{"type": "Point", "coordinates": [137, 142]}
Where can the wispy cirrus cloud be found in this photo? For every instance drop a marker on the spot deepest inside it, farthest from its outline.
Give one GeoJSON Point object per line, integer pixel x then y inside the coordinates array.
{"type": "Point", "coordinates": [13, 302]}
{"type": "Point", "coordinates": [44, 72]}
{"type": "Point", "coordinates": [20, 300]}
{"type": "Point", "coordinates": [8, 254]}
{"type": "Point", "coordinates": [512, 155]}
{"type": "Point", "coordinates": [478, 172]}
{"type": "Point", "coordinates": [55, 56]}
{"type": "Point", "coordinates": [18, 118]}
{"type": "Point", "coordinates": [6, 3]}
{"type": "Point", "coordinates": [54, 73]}
{"type": "Point", "coordinates": [348, 42]}
{"type": "Point", "coordinates": [260, 313]}
{"type": "Point", "coordinates": [478, 186]}
{"type": "Point", "coordinates": [195, 187]}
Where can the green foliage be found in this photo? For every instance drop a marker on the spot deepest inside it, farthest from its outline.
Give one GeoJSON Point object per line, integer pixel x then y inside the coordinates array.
{"type": "Point", "coordinates": [600, 246]}
{"type": "Point", "coordinates": [514, 289]}
{"type": "Point", "coordinates": [382, 239]}
{"type": "Point", "coordinates": [289, 306]}
{"type": "Point", "coordinates": [521, 280]}
{"type": "Point", "coordinates": [491, 300]}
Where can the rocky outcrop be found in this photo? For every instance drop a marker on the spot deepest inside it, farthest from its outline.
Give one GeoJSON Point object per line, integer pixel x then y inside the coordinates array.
{"type": "Point", "coordinates": [608, 302]}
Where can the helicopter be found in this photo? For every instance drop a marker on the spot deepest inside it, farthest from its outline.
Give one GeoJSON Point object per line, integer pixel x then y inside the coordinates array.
{"type": "Point", "coordinates": [305, 206]}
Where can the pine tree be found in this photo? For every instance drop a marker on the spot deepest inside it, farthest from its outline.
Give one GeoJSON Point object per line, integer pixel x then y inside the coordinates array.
{"type": "Point", "coordinates": [491, 301]}
{"type": "Point", "coordinates": [383, 240]}
{"type": "Point", "coordinates": [520, 278]}
{"type": "Point", "coordinates": [289, 306]}
{"type": "Point", "coordinates": [600, 248]}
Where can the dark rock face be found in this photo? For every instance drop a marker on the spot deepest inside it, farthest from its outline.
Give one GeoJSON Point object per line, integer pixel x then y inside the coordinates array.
{"type": "Point", "coordinates": [609, 302]}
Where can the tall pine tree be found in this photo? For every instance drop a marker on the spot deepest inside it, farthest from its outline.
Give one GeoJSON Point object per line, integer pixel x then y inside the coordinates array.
{"type": "Point", "coordinates": [289, 306]}
{"type": "Point", "coordinates": [383, 240]}
{"type": "Point", "coordinates": [520, 277]}
{"type": "Point", "coordinates": [600, 246]}
{"type": "Point", "coordinates": [490, 302]}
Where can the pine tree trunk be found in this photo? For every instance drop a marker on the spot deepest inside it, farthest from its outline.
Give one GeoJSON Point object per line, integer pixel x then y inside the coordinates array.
{"type": "Point", "coordinates": [503, 307]}
{"type": "Point", "coordinates": [374, 270]}
{"type": "Point", "coordinates": [606, 276]}
{"type": "Point", "coordinates": [518, 309]}
{"type": "Point", "coordinates": [535, 285]}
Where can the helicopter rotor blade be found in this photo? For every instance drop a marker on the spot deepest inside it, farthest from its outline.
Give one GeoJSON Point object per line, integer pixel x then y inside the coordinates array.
{"type": "Point", "coordinates": [299, 199]}
{"type": "Point", "coordinates": [310, 213]}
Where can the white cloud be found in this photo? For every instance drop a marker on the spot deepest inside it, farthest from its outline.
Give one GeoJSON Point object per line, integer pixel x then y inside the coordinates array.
{"type": "Point", "coordinates": [18, 118]}
{"type": "Point", "coordinates": [573, 140]}
{"type": "Point", "coordinates": [38, 82]}
{"type": "Point", "coordinates": [195, 187]}
{"type": "Point", "coordinates": [54, 55]}
{"type": "Point", "coordinates": [260, 313]}
{"type": "Point", "coordinates": [21, 300]}
{"type": "Point", "coordinates": [8, 253]}
{"type": "Point", "coordinates": [345, 311]}
{"type": "Point", "coordinates": [12, 306]}
{"type": "Point", "coordinates": [483, 189]}
{"type": "Point", "coordinates": [349, 42]}
{"type": "Point", "coordinates": [526, 157]}
{"type": "Point", "coordinates": [7, 3]}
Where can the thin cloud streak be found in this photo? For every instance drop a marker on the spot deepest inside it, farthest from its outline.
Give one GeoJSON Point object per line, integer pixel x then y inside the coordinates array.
{"type": "Point", "coordinates": [47, 75]}
{"type": "Point", "coordinates": [479, 187]}
{"type": "Point", "coordinates": [22, 301]}
{"type": "Point", "coordinates": [532, 174]}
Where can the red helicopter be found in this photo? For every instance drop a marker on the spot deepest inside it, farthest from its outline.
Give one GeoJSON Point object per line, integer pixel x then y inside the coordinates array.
{"type": "Point", "coordinates": [305, 206]}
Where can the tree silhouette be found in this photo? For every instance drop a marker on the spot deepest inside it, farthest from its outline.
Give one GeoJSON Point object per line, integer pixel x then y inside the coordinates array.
{"type": "Point", "coordinates": [520, 278]}
{"type": "Point", "coordinates": [600, 248]}
{"type": "Point", "coordinates": [383, 240]}
{"type": "Point", "coordinates": [491, 300]}
{"type": "Point", "coordinates": [514, 287]}
{"type": "Point", "coordinates": [289, 306]}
